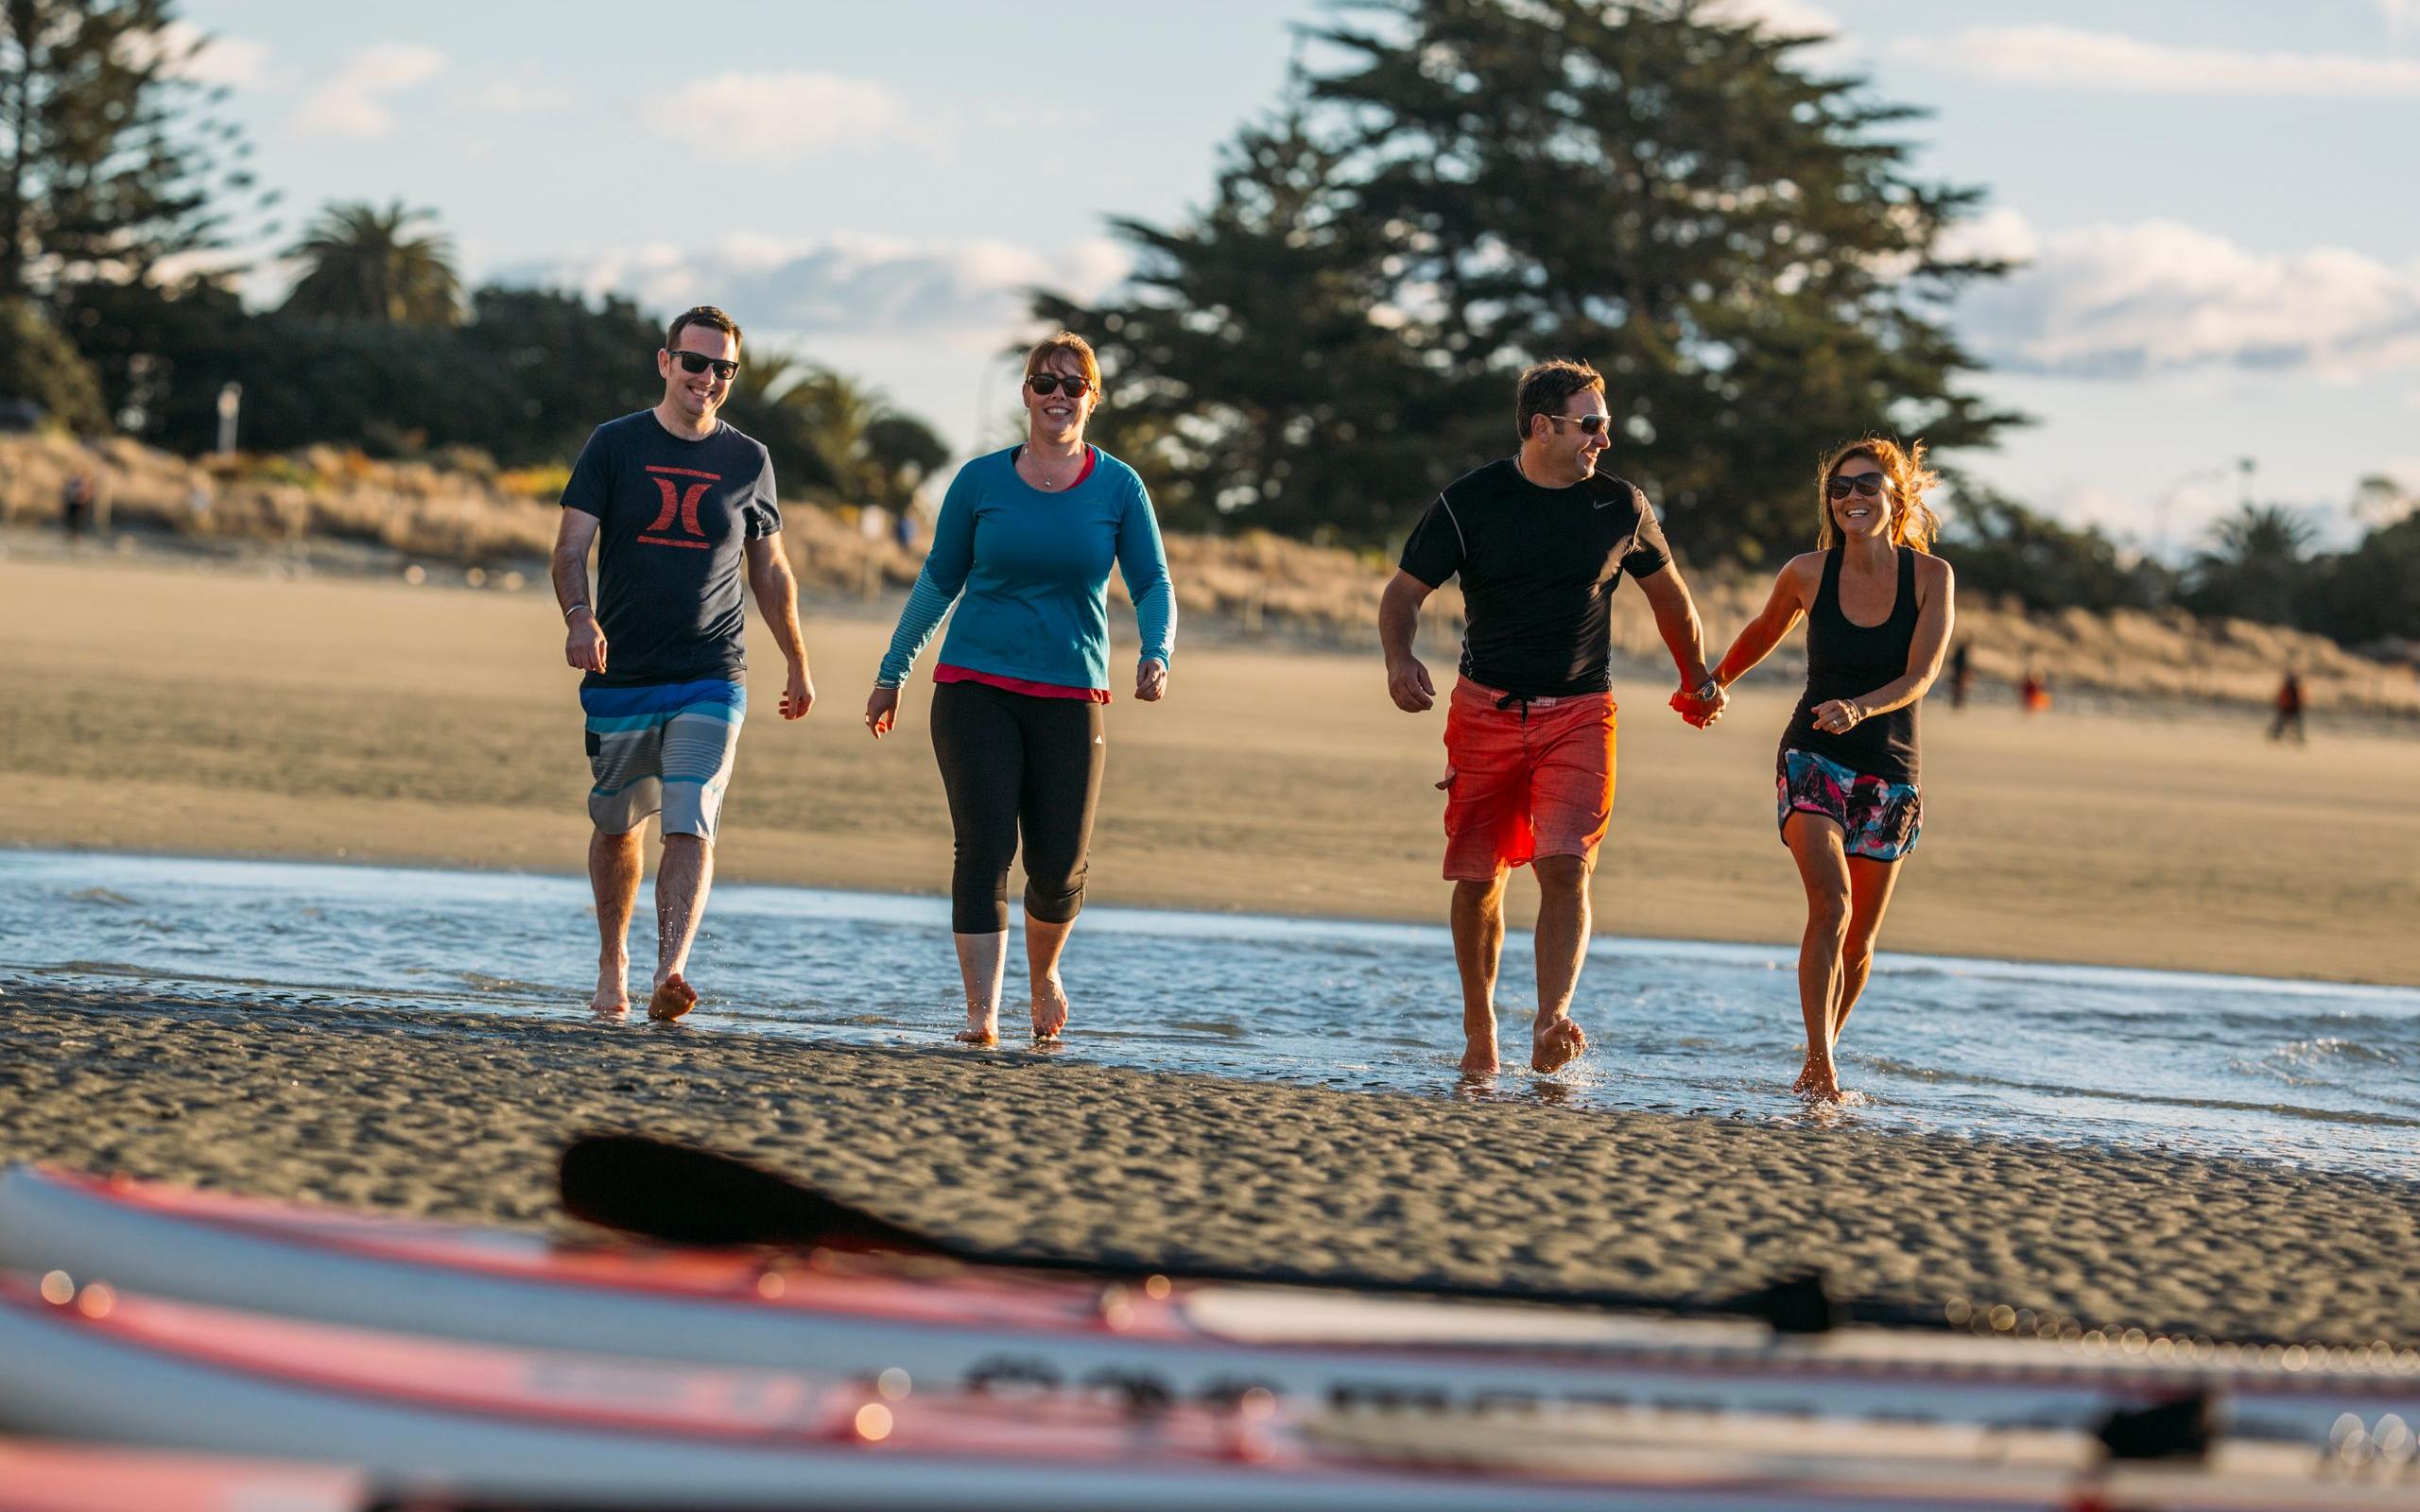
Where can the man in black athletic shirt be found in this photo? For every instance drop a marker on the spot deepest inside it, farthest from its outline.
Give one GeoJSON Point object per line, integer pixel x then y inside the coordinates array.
{"type": "Point", "coordinates": [1541, 540]}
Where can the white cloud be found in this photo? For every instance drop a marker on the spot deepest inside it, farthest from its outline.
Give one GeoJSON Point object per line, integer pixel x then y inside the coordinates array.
{"type": "Point", "coordinates": [353, 101]}
{"type": "Point", "coordinates": [966, 293]}
{"type": "Point", "coordinates": [1837, 52]}
{"type": "Point", "coordinates": [2123, 301]}
{"type": "Point", "coordinates": [199, 57]}
{"type": "Point", "coordinates": [1788, 18]}
{"type": "Point", "coordinates": [1999, 235]}
{"type": "Point", "coordinates": [779, 116]}
{"type": "Point", "coordinates": [2064, 57]}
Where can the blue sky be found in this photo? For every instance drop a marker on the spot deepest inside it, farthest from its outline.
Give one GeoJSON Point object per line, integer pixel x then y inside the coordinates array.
{"type": "Point", "coordinates": [2217, 203]}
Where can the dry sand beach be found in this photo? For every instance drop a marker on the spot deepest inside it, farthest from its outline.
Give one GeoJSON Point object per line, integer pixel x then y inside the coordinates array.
{"type": "Point", "coordinates": [158, 709]}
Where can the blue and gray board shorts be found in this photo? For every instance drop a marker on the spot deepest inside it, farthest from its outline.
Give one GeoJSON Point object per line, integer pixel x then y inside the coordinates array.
{"type": "Point", "coordinates": [664, 749]}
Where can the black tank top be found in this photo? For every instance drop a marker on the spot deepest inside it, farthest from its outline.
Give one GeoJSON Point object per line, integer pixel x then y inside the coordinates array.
{"type": "Point", "coordinates": [1845, 660]}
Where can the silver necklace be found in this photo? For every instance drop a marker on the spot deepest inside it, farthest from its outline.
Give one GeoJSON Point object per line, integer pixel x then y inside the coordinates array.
{"type": "Point", "coordinates": [1051, 480]}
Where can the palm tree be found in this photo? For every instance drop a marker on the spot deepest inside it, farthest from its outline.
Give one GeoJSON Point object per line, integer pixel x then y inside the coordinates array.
{"type": "Point", "coordinates": [368, 264]}
{"type": "Point", "coordinates": [857, 445]}
{"type": "Point", "coordinates": [2257, 564]}
{"type": "Point", "coordinates": [2262, 532]}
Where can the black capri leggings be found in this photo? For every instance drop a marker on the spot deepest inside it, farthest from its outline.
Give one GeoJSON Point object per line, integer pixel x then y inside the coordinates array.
{"type": "Point", "coordinates": [1011, 760]}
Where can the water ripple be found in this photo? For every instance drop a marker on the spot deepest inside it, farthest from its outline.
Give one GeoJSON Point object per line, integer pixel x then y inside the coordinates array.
{"type": "Point", "coordinates": [2084, 1054]}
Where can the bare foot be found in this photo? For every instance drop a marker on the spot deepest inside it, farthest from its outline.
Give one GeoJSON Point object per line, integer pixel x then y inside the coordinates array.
{"type": "Point", "coordinates": [673, 997]}
{"type": "Point", "coordinates": [1820, 1082]}
{"type": "Point", "coordinates": [982, 1029]}
{"type": "Point", "coordinates": [613, 999]}
{"type": "Point", "coordinates": [1555, 1044]}
{"type": "Point", "coordinates": [1479, 1059]}
{"type": "Point", "coordinates": [1049, 1009]}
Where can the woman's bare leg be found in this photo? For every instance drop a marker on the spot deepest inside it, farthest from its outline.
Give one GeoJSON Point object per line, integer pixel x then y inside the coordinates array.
{"type": "Point", "coordinates": [1870, 885]}
{"type": "Point", "coordinates": [1043, 943]}
{"type": "Point", "coordinates": [1823, 870]}
{"type": "Point", "coordinates": [981, 961]}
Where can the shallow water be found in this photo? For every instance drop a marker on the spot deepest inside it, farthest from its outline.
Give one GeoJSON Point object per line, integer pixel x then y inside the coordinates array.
{"type": "Point", "coordinates": [2309, 1074]}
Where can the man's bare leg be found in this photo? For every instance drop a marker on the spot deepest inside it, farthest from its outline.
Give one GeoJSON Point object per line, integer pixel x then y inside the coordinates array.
{"type": "Point", "coordinates": [982, 960]}
{"type": "Point", "coordinates": [1043, 943]}
{"type": "Point", "coordinates": [613, 865]}
{"type": "Point", "coordinates": [1562, 937]}
{"type": "Point", "coordinates": [682, 882]}
{"type": "Point", "coordinates": [1478, 947]}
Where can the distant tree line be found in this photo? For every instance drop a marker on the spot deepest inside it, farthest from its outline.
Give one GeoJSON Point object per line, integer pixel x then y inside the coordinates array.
{"type": "Point", "coordinates": [519, 374]}
{"type": "Point", "coordinates": [2258, 562]}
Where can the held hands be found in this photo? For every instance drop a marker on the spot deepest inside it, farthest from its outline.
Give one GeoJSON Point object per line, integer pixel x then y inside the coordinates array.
{"type": "Point", "coordinates": [799, 697]}
{"type": "Point", "coordinates": [882, 711]}
{"type": "Point", "coordinates": [1151, 680]}
{"type": "Point", "coordinates": [1837, 716]}
{"type": "Point", "coordinates": [1703, 705]}
{"type": "Point", "coordinates": [584, 645]}
{"type": "Point", "coordinates": [1408, 684]}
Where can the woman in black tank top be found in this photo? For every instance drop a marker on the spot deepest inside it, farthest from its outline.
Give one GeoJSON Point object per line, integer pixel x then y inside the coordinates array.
{"type": "Point", "coordinates": [1878, 612]}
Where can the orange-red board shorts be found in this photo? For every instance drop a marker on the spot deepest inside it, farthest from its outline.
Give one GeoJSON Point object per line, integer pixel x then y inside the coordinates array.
{"type": "Point", "coordinates": [1524, 780]}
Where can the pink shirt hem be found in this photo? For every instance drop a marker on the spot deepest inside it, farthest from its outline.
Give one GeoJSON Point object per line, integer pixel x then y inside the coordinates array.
{"type": "Point", "coordinates": [946, 672]}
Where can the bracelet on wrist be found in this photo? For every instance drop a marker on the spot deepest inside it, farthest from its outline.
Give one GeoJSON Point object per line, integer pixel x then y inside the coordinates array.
{"type": "Point", "coordinates": [577, 609]}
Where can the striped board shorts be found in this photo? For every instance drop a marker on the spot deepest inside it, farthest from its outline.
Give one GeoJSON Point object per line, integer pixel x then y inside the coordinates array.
{"type": "Point", "coordinates": [665, 748]}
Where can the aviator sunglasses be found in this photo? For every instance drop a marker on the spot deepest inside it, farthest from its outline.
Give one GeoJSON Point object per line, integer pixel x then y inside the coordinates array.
{"type": "Point", "coordinates": [1589, 425]}
{"type": "Point", "coordinates": [1047, 384]}
{"type": "Point", "coordinates": [699, 362]}
{"type": "Point", "coordinates": [1868, 484]}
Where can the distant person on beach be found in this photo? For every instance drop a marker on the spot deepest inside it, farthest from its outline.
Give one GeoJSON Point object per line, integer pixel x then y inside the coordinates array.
{"type": "Point", "coordinates": [1024, 547]}
{"type": "Point", "coordinates": [2033, 693]}
{"type": "Point", "coordinates": [2290, 710]}
{"type": "Point", "coordinates": [684, 508]}
{"type": "Point", "coordinates": [1961, 676]}
{"type": "Point", "coordinates": [75, 506]}
{"type": "Point", "coordinates": [1541, 539]}
{"type": "Point", "coordinates": [1878, 613]}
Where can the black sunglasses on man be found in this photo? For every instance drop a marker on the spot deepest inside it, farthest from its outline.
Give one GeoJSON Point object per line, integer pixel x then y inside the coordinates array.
{"type": "Point", "coordinates": [724, 368]}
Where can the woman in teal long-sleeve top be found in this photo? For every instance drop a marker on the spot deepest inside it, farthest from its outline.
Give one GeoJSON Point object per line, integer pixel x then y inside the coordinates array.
{"type": "Point", "coordinates": [1024, 547]}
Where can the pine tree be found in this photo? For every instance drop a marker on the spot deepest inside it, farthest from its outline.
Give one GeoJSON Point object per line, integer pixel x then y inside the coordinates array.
{"type": "Point", "coordinates": [1472, 185]}
{"type": "Point", "coordinates": [109, 161]}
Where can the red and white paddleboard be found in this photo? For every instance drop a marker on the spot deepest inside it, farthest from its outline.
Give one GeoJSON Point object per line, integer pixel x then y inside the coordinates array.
{"type": "Point", "coordinates": [52, 1477]}
{"type": "Point", "coordinates": [445, 1421]}
{"type": "Point", "coordinates": [947, 1322]}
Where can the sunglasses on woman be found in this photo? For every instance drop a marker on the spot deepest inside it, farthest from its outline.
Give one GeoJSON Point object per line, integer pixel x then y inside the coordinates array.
{"type": "Point", "coordinates": [699, 362]}
{"type": "Point", "coordinates": [1047, 384]}
{"type": "Point", "coordinates": [1868, 484]}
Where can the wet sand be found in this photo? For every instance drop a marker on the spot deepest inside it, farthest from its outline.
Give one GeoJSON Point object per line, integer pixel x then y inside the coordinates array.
{"type": "Point", "coordinates": [460, 1117]}
{"type": "Point", "coordinates": [157, 709]}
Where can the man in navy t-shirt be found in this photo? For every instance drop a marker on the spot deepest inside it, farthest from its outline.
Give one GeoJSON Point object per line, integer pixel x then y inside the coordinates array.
{"type": "Point", "coordinates": [1540, 540]}
{"type": "Point", "coordinates": [682, 510]}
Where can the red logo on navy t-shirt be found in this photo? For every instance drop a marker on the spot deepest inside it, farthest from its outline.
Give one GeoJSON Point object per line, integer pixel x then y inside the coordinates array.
{"type": "Point", "coordinates": [679, 503]}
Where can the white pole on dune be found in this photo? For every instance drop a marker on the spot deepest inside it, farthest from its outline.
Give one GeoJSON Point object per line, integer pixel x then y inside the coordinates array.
{"type": "Point", "coordinates": [230, 404]}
